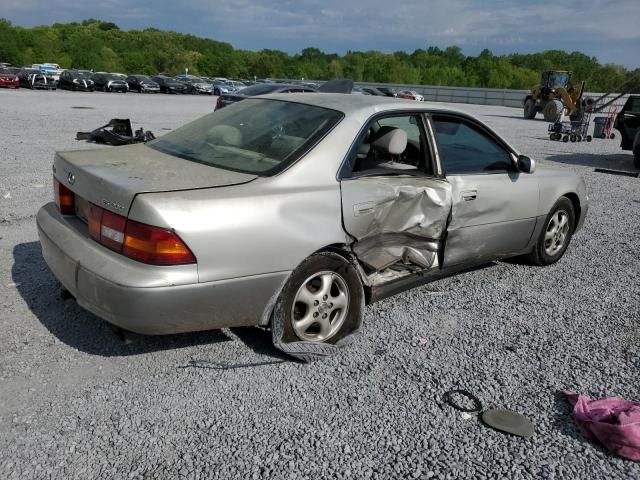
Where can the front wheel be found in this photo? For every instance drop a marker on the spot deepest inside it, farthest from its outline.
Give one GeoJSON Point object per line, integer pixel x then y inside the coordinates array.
{"type": "Point", "coordinates": [636, 151]}
{"type": "Point", "coordinates": [556, 234]}
{"type": "Point", "coordinates": [322, 302]}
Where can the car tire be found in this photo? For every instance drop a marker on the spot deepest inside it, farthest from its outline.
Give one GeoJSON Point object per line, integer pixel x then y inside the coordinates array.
{"type": "Point", "coordinates": [636, 150]}
{"type": "Point", "coordinates": [325, 287]}
{"type": "Point", "coordinates": [555, 235]}
{"type": "Point", "coordinates": [530, 109]}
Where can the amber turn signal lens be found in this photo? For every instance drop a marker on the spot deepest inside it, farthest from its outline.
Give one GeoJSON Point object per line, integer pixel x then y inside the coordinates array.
{"type": "Point", "coordinates": [64, 198]}
{"type": "Point", "coordinates": [154, 245]}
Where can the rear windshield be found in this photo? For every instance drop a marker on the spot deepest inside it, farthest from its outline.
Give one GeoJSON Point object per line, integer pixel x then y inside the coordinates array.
{"type": "Point", "coordinates": [255, 136]}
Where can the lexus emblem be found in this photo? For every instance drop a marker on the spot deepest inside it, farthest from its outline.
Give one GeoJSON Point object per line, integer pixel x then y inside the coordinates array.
{"type": "Point", "coordinates": [71, 178]}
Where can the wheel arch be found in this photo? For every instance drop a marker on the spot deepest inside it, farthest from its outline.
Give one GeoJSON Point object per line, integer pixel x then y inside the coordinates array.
{"type": "Point", "coordinates": [577, 208]}
{"type": "Point", "coordinates": [340, 249]}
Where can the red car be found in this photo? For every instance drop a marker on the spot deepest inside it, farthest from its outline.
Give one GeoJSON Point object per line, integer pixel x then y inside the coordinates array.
{"type": "Point", "coordinates": [8, 80]}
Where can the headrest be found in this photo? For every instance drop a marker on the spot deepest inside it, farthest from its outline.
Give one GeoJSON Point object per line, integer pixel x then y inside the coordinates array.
{"type": "Point", "coordinates": [394, 141]}
{"type": "Point", "coordinates": [226, 134]}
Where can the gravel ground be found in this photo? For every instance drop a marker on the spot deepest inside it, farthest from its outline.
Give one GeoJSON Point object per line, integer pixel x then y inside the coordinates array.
{"type": "Point", "coordinates": [77, 401]}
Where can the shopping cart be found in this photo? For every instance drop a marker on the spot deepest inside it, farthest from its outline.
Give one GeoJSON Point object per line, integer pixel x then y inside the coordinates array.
{"type": "Point", "coordinates": [603, 126]}
{"type": "Point", "coordinates": [576, 131]}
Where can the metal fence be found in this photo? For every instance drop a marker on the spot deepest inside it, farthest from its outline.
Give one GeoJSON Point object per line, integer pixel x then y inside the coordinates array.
{"type": "Point", "coordinates": [477, 96]}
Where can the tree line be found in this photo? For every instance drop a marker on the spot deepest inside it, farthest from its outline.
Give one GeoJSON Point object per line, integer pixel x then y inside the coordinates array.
{"type": "Point", "coordinates": [102, 46]}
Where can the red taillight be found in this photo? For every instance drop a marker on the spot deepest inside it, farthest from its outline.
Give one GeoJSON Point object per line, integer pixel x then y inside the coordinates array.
{"type": "Point", "coordinates": [155, 245]}
{"type": "Point", "coordinates": [138, 241]}
{"type": "Point", "coordinates": [64, 198]}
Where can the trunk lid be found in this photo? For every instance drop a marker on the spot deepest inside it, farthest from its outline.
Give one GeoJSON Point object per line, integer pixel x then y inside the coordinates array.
{"type": "Point", "coordinates": [112, 177]}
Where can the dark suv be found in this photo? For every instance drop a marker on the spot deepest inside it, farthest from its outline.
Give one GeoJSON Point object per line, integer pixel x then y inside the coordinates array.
{"type": "Point", "coordinates": [628, 124]}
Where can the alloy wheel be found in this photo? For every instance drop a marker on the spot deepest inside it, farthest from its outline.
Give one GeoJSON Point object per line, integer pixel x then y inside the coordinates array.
{"type": "Point", "coordinates": [320, 306]}
{"type": "Point", "coordinates": [556, 233]}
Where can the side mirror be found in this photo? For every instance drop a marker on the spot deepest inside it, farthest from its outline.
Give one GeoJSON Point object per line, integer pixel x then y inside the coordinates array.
{"type": "Point", "coordinates": [526, 164]}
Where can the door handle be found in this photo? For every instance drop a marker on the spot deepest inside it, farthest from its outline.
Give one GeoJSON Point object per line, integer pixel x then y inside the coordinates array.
{"type": "Point", "coordinates": [468, 195]}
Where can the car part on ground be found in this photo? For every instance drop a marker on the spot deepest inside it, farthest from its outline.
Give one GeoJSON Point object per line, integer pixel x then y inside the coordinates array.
{"type": "Point", "coordinates": [506, 421]}
{"type": "Point", "coordinates": [628, 124]}
{"type": "Point", "coordinates": [120, 133]}
{"type": "Point", "coordinates": [625, 173]}
{"type": "Point", "coordinates": [401, 193]}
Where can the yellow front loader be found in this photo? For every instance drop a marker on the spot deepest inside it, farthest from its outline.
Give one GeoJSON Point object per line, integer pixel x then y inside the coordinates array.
{"type": "Point", "coordinates": [553, 95]}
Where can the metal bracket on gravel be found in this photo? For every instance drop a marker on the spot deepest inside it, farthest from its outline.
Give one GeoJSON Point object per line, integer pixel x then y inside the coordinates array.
{"type": "Point", "coordinates": [477, 404]}
{"type": "Point", "coordinates": [505, 421]}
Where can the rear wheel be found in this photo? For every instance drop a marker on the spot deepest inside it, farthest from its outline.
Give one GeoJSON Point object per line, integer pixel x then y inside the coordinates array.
{"type": "Point", "coordinates": [530, 109]}
{"type": "Point", "coordinates": [552, 110]}
{"type": "Point", "coordinates": [556, 234]}
{"type": "Point", "coordinates": [322, 302]}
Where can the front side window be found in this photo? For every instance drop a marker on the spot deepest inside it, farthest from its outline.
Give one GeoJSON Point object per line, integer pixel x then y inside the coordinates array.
{"type": "Point", "coordinates": [254, 136]}
{"type": "Point", "coordinates": [466, 148]}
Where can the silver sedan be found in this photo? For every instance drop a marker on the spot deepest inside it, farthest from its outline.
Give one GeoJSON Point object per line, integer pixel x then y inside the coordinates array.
{"type": "Point", "coordinates": [294, 211]}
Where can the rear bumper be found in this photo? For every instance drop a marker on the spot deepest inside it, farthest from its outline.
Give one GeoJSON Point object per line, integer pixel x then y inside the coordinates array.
{"type": "Point", "coordinates": [145, 298]}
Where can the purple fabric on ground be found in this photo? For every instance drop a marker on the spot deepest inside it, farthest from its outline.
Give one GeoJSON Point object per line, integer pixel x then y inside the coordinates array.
{"type": "Point", "coordinates": [612, 421]}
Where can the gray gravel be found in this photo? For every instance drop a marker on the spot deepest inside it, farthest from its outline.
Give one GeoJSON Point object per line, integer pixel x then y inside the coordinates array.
{"type": "Point", "coordinates": [76, 401]}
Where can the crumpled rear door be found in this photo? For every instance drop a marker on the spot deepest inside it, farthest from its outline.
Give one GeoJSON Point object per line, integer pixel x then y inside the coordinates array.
{"type": "Point", "coordinates": [396, 219]}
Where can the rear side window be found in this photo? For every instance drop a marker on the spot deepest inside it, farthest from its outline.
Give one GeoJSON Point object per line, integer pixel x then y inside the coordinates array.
{"type": "Point", "coordinates": [253, 136]}
{"type": "Point", "coordinates": [465, 148]}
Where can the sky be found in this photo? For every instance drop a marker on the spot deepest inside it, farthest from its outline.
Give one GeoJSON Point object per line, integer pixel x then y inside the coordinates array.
{"type": "Point", "coordinates": [606, 29]}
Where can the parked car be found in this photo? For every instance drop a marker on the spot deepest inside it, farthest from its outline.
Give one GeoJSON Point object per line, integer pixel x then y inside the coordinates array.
{"type": "Point", "coordinates": [109, 82]}
{"type": "Point", "coordinates": [8, 79]}
{"type": "Point", "coordinates": [373, 91]}
{"type": "Point", "coordinates": [36, 80]}
{"type": "Point", "coordinates": [260, 89]}
{"type": "Point", "coordinates": [356, 90]}
{"type": "Point", "coordinates": [628, 124]}
{"type": "Point", "coordinates": [170, 85]}
{"type": "Point", "coordinates": [220, 87]}
{"type": "Point", "coordinates": [388, 91]}
{"type": "Point", "coordinates": [295, 211]}
{"type": "Point", "coordinates": [76, 80]}
{"type": "Point", "coordinates": [410, 95]}
{"type": "Point", "coordinates": [142, 84]}
{"type": "Point", "coordinates": [200, 86]}
{"type": "Point", "coordinates": [51, 69]}
{"type": "Point", "coordinates": [236, 85]}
